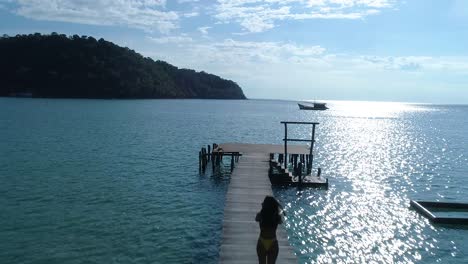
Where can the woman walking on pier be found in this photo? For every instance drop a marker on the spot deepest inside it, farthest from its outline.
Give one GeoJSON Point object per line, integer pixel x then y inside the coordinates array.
{"type": "Point", "coordinates": [269, 218]}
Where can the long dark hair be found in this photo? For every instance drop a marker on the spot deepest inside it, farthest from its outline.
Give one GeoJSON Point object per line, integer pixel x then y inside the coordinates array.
{"type": "Point", "coordinates": [270, 213]}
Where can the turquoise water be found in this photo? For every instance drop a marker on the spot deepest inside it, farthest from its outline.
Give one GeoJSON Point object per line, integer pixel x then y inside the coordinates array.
{"type": "Point", "coordinates": [104, 181]}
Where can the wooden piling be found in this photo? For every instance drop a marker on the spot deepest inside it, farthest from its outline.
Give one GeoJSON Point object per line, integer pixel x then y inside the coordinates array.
{"type": "Point", "coordinates": [203, 159]}
{"type": "Point", "coordinates": [302, 161]}
{"type": "Point", "coordinates": [294, 160]}
{"type": "Point", "coordinates": [199, 161]}
{"type": "Point", "coordinates": [204, 155]}
{"type": "Point", "coordinates": [213, 159]}
{"type": "Point", "coordinates": [299, 169]}
{"type": "Point", "coordinates": [232, 162]}
{"type": "Point", "coordinates": [312, 146]}
{"type": "Point", "coordinates": [214, 146]}
{"type": "Point", "coordinates": [311, 161]}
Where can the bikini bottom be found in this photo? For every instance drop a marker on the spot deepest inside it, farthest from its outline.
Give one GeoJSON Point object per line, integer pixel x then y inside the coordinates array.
{"type": "Point", "coordinates": [267, 242]}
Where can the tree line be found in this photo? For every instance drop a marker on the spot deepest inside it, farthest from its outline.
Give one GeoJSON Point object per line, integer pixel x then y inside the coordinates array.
{"type": "Point", "coordinates": [60, 66]}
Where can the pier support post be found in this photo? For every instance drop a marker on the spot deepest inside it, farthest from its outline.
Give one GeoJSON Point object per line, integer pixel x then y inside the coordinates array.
{"type": "Point", "coordinates": [232, 162]}
{"type": "Point", "coordinates": [213, 159]}
{"type": "Point", "coordinates": [203, 159]}
{"type": "Point", "coordinates": [311, 160]}
{"type": "Point", "coordinates": [303, 161]}
{"type": "Point", "coordinates": [212, 152]}
{"type": "Point", "coordinates": [299, 168]}
{"type": "Point", "coordinates": [312, 147]}
{"type": "Point", "coordinates": [285, 145]}
{"type": "Point", "coordinates": [204, 155]}
{"type": "Point", "coordinates": [199, 161]}
{"type": "Point", "coordinates": [294, 161]}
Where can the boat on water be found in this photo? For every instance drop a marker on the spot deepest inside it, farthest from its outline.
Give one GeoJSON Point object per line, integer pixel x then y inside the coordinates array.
{"type": "Point", "coordinates": [313, 106]}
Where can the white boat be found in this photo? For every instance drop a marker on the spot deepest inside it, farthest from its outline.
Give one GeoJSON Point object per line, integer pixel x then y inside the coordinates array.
{"type": "Point", "coordinates": [313, 106]}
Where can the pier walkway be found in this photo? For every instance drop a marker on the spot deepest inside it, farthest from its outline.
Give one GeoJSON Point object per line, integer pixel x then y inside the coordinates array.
{"type": "Point", "coordinates": [248, 187]}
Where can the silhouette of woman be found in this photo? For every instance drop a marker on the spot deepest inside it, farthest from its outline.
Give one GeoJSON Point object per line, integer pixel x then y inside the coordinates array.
{"type": "Point", "coordinates": [268, 218]}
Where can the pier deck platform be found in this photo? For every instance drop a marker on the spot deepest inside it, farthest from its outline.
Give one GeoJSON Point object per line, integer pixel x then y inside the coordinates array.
{"type": "Point", "coordinates": [248, 187]}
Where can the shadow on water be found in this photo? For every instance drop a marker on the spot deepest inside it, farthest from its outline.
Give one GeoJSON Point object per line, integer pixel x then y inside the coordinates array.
{"type": "Point", "coordinates": [212, 179]}
{"type": "Point", "coordinates": [218, 175]}
{"type": "Point", "coordinates": [452, 227]}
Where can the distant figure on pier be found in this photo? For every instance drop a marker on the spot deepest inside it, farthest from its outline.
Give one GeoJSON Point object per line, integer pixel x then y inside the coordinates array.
{"type": "Point", "coordinates": [269, 218]}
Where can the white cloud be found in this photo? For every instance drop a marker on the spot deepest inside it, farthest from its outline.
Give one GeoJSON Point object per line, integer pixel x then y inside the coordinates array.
{"type": "Point", "coordinates": [232, 52]}
{"type": "Point", "coordinates": [191, 14]}
{"type": "Point", "coordinates": [148, 15]}
{"type": "Point", "coordinates": [267, 63]}
{"type": "Point", "coordinates": [203, 30]}
{"type": "Point", "coordinates": [255, 55]}
{"type": "Point", "coordinates": [182, 39]}
{"type": "Point", "coordinates": [258, 15]}
{"type": "Point", "coordinates": [351, 3]}
{"type": "Point", "coordinates": [417, 63]}
{"type": "Point", "coordinates": [153, 15]}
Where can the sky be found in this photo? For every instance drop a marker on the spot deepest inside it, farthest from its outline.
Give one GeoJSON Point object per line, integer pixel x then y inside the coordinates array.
{"type": "Point", "coordinates": [371, 50]}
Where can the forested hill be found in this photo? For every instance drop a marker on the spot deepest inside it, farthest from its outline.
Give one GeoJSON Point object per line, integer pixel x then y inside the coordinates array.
{"type": "Point", "coordinates": [83, 67]}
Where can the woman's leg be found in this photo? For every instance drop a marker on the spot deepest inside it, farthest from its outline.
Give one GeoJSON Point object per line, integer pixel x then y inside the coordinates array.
{"type": "Point", "coordinates": [261, 253]}
{"type": "Point", "coordinates": [273, 253]}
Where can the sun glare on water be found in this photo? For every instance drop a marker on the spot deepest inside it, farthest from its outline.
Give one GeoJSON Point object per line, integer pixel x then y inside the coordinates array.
{"type": "Point", "coordinates": [367, 109]}
{"type": "Point", "coordinates": [367, 149]}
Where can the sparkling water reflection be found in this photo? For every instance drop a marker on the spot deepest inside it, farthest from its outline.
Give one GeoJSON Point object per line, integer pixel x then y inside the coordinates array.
{"type": "Point", "coordinates": [378, 156]}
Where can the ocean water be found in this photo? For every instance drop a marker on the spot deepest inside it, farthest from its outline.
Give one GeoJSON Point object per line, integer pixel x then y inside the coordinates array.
{"type": "Point", "coordinates": [117, 181]}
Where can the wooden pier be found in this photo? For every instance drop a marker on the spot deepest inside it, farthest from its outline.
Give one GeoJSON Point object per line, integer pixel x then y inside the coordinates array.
{"type": "Point", "coordinates": [259, 166]}
{"type": "Point", "coordinates": [248, 187]}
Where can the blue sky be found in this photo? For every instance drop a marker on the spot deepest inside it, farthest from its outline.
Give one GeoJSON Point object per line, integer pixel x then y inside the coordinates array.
{"type": "Point", "coordinates": [384, 50]}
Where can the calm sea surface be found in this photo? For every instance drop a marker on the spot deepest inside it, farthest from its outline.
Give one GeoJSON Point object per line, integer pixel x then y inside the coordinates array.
{"type": "Point", "coordinates": [110, 181]}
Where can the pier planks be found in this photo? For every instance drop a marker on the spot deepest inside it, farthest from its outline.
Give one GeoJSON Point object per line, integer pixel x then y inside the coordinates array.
{"type": "Point", "coordinates": [248, 186]}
